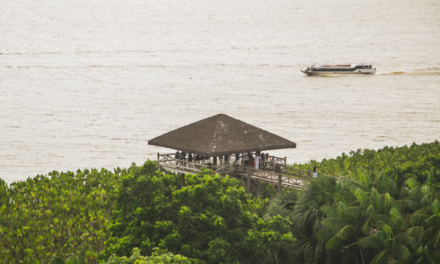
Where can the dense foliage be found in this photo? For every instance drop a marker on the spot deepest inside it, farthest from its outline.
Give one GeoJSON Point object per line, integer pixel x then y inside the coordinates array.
{"type": "Point", "coordinates": [386, 210]}
{"type": "Point", "coordinates": [206, 217]}
{"type": "Point", "coordinates": [402, 159]}
{"type": "Point", "coordinates": [47, 216]}
{"type": "Point", "coordinates": [383, 216]}
{"type": "Point", "coordinates": [158, 257]}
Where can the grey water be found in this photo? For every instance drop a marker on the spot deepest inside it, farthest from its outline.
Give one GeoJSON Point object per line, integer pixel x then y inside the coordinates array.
{"type": "Point", "coordinates": [86, 84]}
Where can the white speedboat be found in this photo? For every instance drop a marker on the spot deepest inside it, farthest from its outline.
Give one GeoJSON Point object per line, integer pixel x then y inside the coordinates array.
{"type": "Point", "coordinates": [340, 69]}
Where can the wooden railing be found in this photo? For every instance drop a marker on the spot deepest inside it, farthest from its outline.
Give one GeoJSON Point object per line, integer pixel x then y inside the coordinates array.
{"type": "Point", "coordinates": [274, 170]}
{"type": "Point", "coordinates": [168, 161]}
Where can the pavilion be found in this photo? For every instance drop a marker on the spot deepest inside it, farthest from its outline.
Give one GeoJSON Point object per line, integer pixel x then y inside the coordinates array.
{"type": "Point", "coordinates": [222, 135]}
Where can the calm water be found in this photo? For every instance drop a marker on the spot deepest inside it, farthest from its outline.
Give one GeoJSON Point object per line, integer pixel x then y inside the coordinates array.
{"type": "Point", "coordinates": [87, 83]}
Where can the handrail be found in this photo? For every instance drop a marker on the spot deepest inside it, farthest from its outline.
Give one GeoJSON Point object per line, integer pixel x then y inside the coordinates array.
{"type": "Point", "coordinates": [269, 170]}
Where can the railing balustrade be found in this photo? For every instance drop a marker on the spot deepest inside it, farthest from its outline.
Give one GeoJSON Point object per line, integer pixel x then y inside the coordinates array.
{"type": "Point", "coordinates": [268, 170]}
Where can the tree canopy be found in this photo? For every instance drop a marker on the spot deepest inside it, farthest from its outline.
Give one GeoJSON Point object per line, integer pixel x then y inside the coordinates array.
{"type": "Point", "coordinates": [386, 209]}
{"type": "Point", "coordinates": [385, 215]}
{"type": "Point", "coordinates": [206, 217]}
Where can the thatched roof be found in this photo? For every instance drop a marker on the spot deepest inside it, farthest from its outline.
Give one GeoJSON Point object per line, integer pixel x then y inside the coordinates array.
{"type": "Point", "coordinates": [220, 135]}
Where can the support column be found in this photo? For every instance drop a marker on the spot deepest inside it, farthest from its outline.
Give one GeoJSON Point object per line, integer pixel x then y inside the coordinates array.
{"type": "Point", "coordinates": [182, 178]}
{"type": "Point", "coordinates": [248, 185]}
{"type": "Point", "coordinates": [258, 189]}
{"type": "Point", "coordinates": [158, 155]}
{"type": "Point", "coordinates": [279, 183]}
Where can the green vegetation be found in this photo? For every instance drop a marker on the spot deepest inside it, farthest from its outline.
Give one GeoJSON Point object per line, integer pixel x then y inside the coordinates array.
{"type": "Point", "coordinates": [51, 216]}
{"type": "Point", "coordinates": [158, 257]}
{"type": "Point", "coordinates": [208, 217]}
{"type": "Point", "coordinates": [385, 215]}
{"type": "Point", "coordinates": [71, 259]}
{"type": "Point", "coordinates": [386, 210]}
{"type": "Point", "coordinates": [401, 159]}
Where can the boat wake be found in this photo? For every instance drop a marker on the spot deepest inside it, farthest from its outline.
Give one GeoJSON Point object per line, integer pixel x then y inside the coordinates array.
{"type": "Point", "coordinates": [427, 71]}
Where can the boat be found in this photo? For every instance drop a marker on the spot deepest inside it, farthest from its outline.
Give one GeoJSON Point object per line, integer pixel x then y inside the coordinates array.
{"type": "Point", "coordinates": [340, 69]}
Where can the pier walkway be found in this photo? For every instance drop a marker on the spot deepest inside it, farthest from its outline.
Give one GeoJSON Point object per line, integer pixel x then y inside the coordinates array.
{"type": "Point", "coordinates": [274, 171]}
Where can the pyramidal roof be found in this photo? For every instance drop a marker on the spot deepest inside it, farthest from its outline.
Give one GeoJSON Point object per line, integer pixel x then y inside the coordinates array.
{"type": "Point", "coordinates": [220, 135]}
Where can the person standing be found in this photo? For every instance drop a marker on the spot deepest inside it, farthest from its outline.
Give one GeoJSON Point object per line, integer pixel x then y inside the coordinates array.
{"type": "Point", "coordinates": [180, 158]}
{"type": "Point", "coordinates": [183, 158]}
{"type": "Point", "coordinates": [190, 157]}
{"type": "Point", "coordinates": [176, 156]}
{"type": "Point", "coordinates": [257, 161]}
{"type": "Point", "coordinates": [315, 172]}
{"type": "Point", "coordinates": [246, 159]}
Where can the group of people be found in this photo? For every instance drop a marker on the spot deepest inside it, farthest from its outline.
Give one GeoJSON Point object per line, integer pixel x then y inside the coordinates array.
{"type": "Point", "coordinates": [182, 157]}
{"type": "Point", "coordinates": [245, 159]}
{"type": "Point", "coordinates": [248, 159]}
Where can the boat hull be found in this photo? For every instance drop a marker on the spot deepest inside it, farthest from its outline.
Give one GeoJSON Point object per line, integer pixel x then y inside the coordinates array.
{"type": "Point", "coordinates": [314, 73]}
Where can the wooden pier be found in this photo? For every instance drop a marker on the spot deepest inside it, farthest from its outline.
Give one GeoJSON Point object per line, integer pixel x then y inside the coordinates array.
{"type": "Point", "coordinates": [274, 171]}
{"type": "Point", "coordinates": [223, 136]}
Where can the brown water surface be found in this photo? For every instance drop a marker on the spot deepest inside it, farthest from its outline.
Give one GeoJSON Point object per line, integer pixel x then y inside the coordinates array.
{"type": "Point", "coordinates": [87, 83]}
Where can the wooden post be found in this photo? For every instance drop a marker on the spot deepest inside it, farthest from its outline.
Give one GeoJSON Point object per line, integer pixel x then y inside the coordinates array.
{"type": "Point", "coordinates": [258, 189]}
{"type": "Point", "coordinates": [182, 178]}
{"type": "Point", "coordinates": [279, 183]}
{"type": "Point", "coordinates": [248, 185]}
{"type": "Point", "coordinates": [158, 155]}
{"type": "Point", "coordinates": [285, 161]}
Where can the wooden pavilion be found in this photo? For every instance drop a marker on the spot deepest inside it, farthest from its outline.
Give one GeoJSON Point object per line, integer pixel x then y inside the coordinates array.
{"type": "Point", "coordinates": [224, 136]}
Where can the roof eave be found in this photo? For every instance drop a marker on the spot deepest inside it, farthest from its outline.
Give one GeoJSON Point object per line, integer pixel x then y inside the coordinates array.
{"type": "Point", "coordinates": [221, 153]}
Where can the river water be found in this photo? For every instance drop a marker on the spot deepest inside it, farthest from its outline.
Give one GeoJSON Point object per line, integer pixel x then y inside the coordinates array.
{"type": "Point", "coordinates": [87, 83]}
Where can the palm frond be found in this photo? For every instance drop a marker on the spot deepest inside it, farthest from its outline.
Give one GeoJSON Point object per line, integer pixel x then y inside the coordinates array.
{"type": "Point", "coordinates": [433, 220]}
{"type": "Point", "coordinates": [364, 178]}
{"type": "Point", "coordinates": [383, 218]}
{"type": "Point", "coordinates": [353, 211]}
{"type": "Point", "coordinates": [419, 219]}
{"type": "Point", "coordinates": [325, 234]}
{"type": "Point", "coordinates": [330, 211]}
{"type": "Point", "coordinates": [380, 258]}
{"type": "Point", "coordinates": [333, 243]}
{"type": "Point", "coordinates": [416, 194]}
{"type": "Point", "coordinates": [415, 231]}
{"type": "Point", "coordinates": [386, 229]}
{"type": "Point", "coordinates": [402, 252]}
{"type": "Point", "coordinates": [336, 223]}
{"type": "Point", "coordinates": [370, 242]}
{"type": "Point", "coordinates": [412, 183]}
{"type": "Point", "coordinates": [366, 226]}
{"type": "Point", "coordinates": [430, 232]}
{"type": "Point", "coordinates": [399, 223]}
{"type": "Point", "coordinates": [376, 199]}
{"type": "Point", "coordinates": [395, 213]}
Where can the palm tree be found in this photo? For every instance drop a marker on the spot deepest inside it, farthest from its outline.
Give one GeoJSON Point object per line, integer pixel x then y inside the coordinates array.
{"type": "Point", "coordinates": [303, 208]}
